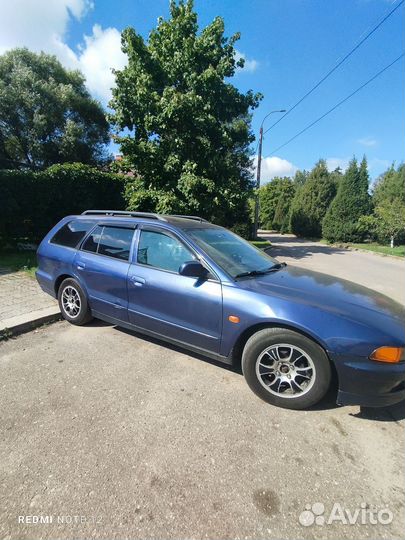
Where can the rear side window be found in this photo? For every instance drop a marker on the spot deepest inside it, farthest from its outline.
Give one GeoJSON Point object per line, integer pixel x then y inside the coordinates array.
{"type": "Point", "coordinates": [116, 242]}
{"type": "Point", "coordinates": [111, 241]}
{"type": "Point", "coordinates": [72, 233]}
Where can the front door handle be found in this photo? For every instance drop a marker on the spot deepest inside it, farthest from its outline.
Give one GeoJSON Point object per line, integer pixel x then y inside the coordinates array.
{"type": "Point", "coordinates": [137, 281]}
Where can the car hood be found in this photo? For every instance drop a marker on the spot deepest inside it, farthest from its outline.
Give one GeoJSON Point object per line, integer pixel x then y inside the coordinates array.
{"type": "Point", "coordinates": [326, 292]}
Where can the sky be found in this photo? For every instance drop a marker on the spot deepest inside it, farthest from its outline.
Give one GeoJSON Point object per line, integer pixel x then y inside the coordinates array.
{"type": "Point", "coordinates": [288, 46]}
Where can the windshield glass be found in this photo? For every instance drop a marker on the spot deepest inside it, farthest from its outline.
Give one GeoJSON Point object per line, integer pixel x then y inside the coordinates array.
{"type": "Point", "coordinates": [230, 252]}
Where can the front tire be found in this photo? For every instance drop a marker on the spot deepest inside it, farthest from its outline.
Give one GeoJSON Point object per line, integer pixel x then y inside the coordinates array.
{"type": "Point", "coordinates": [73, 303]}
{"type": "Point", "coordinates": [286, 368]}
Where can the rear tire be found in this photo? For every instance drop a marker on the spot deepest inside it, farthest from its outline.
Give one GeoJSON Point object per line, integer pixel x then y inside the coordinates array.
{"type": "Point", "coordinates": [285, 368]}
{"type": "Point", "coordinates": [73, 303]}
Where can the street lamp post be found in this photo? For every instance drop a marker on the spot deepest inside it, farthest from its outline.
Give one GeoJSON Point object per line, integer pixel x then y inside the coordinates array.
{"type": "Point", "coordinates": [259, 167]}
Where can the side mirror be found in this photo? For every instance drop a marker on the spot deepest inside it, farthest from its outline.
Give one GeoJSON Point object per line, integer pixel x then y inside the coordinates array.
{"type": "Point", "coordinates": [193, 269]}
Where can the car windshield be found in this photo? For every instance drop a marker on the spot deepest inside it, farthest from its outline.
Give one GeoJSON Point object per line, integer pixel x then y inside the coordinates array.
{"type": "Point", "coordinates": [233, 254]}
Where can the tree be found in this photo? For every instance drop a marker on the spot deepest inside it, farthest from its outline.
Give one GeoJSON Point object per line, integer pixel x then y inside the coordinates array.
{"type": "Point", "coordinates": [275, 201]}
{"type": "Point", "coordinates": [391, 219]}
{"type": "Point", "coordinates": [187, 128]}
{"type": "Point", "coordinates": [311, 202]}
{"type": "Point", "coordinates": [300, 178]}
{"type": "Point", "coordinates": [341, 223]}
{"type": "Point", "coordinates": [390, 186]}
{"type": "Point", "coordinates": [46, 114]}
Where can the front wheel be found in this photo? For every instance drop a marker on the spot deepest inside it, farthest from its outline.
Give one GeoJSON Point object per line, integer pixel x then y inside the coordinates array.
{"type": "Point", "coordinates": [73, 303]}
{"type": "Point", "coordinates": [286, 368]}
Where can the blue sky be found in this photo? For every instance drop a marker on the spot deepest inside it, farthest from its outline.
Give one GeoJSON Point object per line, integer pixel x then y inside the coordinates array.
{"type": "Point", "coordinates": [289, 45]}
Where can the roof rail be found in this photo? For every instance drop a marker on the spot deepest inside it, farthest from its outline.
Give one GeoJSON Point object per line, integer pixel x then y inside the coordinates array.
{"type": "Point", "coordinates": [150, 215]}
{"type": "Point", "coordinates": [195, 218]}
{"type": "Point", "coordinates": [122, 213]}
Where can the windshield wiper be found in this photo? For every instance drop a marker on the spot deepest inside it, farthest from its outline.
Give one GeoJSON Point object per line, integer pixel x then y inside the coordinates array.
{"type": "Point", "coordinates": [250, 273]}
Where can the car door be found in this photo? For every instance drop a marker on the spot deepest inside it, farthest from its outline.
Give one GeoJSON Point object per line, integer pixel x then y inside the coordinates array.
{"type": "Point", "coordinates": [102, 266]}
{"type": "Point", "coordinates": [161, 300]}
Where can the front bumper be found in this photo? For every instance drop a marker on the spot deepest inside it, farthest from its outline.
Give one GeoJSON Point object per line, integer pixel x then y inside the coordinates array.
{"type": "Point", "coordinates": [368, 383]}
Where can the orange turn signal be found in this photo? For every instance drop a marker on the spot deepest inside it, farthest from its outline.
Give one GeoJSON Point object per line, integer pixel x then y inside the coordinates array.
{"type": "Point", "coordinates": [233, 318]}
{"type": "Point", "coordinates": [388, 354]}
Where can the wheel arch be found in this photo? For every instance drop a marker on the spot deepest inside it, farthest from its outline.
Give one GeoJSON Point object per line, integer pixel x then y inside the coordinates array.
{"type": "Point", "coordinates": [236, 354]}
{"type": "Point", "coordinates": [59, 280]}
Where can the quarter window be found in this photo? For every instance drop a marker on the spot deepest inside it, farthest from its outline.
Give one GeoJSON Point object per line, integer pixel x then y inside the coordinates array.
{"type": "Point", "coordinates": [72, 233]}
{"type": "Point", "coordinates": [162, 251]}
{"type": "Point", "coordinates": [92, 241]}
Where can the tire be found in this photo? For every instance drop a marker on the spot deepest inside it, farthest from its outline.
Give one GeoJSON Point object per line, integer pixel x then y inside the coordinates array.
{"type": "Point", "coordinates": [285, 368]}
{"type": "Point", "coordinates": [73, 303]}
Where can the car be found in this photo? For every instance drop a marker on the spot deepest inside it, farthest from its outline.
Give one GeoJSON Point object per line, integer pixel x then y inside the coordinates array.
{"type": "Point", "coordinates": [198, 285]}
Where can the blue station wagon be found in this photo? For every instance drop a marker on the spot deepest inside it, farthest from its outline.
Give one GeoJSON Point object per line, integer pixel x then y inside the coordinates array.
{"type": "Point", "coordinates": [198, 285]}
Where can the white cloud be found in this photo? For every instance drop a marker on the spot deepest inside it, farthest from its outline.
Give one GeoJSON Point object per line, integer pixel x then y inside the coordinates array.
{"type": "Point", "coordinates": [274, 166]}
{"type": "Point", "coordinates": [334, 162]}
{"type": "Point", "coordinates": [41, 25]}
{"type": "Point", "coordinates": [367, 141]}
{"type": "Point", "coordinates": [250, 63]}
{"type": "Point", "coordinates": [102, 51]}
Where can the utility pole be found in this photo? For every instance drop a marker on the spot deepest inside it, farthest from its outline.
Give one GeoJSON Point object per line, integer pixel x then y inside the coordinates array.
{"type": "Point", "coordinates": [259, 168]}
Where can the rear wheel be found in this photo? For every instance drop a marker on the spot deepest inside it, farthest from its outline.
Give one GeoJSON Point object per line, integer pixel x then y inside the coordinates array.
{"type": "Point", "coordinates": [73, 303]}
{"type": "Point", "coordinates": [286, 368]}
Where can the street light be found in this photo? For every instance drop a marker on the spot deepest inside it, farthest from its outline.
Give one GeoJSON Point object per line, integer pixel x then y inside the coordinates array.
{"type": "Point", "coordinates": [259, 163]}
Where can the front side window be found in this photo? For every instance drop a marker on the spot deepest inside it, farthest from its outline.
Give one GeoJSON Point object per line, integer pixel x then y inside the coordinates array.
{"type": "Point", "coordinates": [72, 233]}
{"type": "Point", "coordinates": [162, 251]}
{"type": "Point", "coordinates": [233, 254]}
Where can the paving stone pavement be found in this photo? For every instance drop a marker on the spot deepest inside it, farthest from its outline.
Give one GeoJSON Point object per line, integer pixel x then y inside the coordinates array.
{"type": "Point", "coordinates": [20, 294]}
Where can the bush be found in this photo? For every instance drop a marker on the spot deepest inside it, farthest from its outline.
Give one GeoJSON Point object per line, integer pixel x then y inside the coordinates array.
{"type": "Point", "coordinates": [32, 202]}
{"type": "Point", "coordinates": [245, 230]}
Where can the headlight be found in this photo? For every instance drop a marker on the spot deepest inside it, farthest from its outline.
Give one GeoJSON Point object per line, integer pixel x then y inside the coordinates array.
{"type": "Point", "coordinates": [391, 355]}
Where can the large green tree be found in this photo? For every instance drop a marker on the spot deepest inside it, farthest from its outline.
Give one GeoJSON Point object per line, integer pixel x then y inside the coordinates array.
{"type": "Point", "coordinates": [275, 201]}
{"type": "Point", "coordinates": [352, 201]}
{"type": "Point", "coordinates": [390, 186]}
{"type": "Point", "coordinates": [312, 201]}
{"type": "Point", "coordinates": [46, 114]}
{"type": "Point", "coordinates": [187, 128]}
{"type": "Point", "coordinates": [388, 221]}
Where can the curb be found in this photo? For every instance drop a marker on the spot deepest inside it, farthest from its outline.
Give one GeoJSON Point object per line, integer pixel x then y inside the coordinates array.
{"type": "Point", "coordinates": [29, 321]}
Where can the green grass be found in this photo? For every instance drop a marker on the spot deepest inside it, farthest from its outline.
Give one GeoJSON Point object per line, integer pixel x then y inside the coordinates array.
{"type": "Point", "coordinates": [399, 251]}
{"type": "Point", "coordinates": [378, 248]}
{"type": "Point", "coordinates": [261, 244]}
{"type": "Point", "coordinates": [19, 260]}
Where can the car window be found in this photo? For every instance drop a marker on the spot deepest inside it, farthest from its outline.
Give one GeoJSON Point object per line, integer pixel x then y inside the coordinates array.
{"type": "Point", "coordinates": [229, 251]}
{"type": "Point", "coordinates": [72, 233]}
{"type": "Point", "coordinates": [115, 242]}
{"type": "Point", "coordinates": [162, 251]}
{"type": "Point", "coordinates": [91, 242]}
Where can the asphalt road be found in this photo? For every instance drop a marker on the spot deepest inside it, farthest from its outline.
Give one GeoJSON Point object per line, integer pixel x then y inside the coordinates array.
{"type": "Point", "coordinates": [108, 435]}
{"type": "Point", "coordinates": [383, 274]}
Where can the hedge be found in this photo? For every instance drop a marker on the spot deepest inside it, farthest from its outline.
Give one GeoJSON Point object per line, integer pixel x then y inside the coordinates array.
{"type": "Point", "coordinates": [33, 202]}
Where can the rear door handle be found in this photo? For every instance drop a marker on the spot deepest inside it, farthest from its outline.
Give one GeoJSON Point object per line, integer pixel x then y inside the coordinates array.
{"type": "Point", "coordinates": [137, 281]}
{"type": "Point", "coordinates": [80, 266]}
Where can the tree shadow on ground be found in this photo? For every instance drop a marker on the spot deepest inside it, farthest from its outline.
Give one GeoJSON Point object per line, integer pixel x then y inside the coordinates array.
{"type": "Point", "coordinates": [300, 248]}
